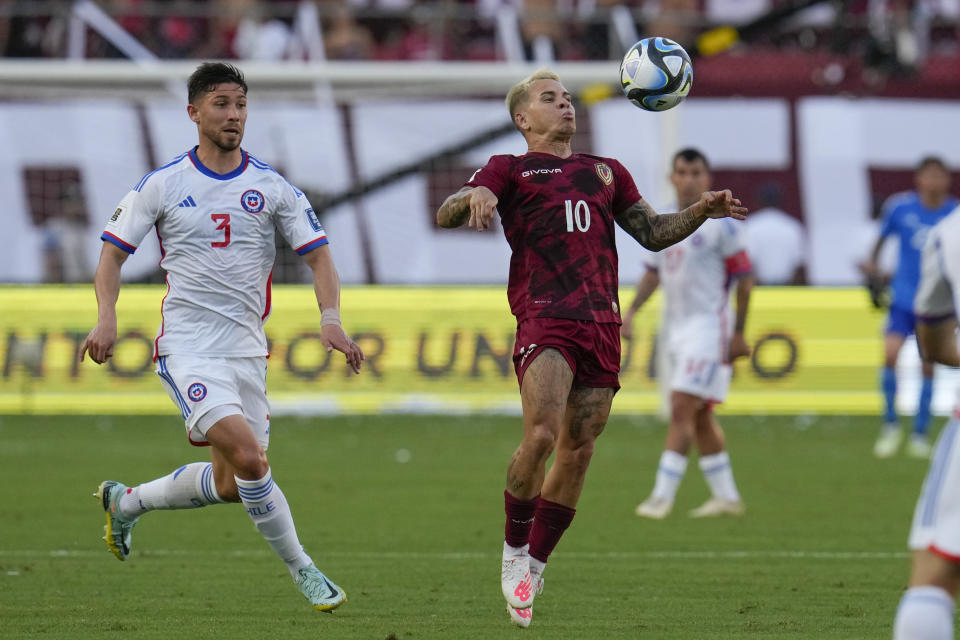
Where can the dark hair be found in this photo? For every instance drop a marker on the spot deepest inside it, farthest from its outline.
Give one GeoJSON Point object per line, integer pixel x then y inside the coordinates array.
{"type": "Point", "coordinates": [691, 155]}
{"type": "Point", "coordinates": [932, 161]}
{"type": "Point", "coordinates": [208, 75]}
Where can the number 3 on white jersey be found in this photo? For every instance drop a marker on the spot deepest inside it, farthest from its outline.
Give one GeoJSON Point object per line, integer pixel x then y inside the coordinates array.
{"type": "Point", "coordinates": [224, 220]}
{"type": "Point", "coordinates": [579, 215]}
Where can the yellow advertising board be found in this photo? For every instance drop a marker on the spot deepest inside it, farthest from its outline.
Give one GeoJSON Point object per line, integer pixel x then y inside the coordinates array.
{"type": "Point", "coordinates": [429, 349]}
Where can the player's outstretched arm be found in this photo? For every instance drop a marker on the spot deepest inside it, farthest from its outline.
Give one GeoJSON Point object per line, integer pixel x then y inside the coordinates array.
{"type": "Point", "coordinates": [106, 283]}
{"type": "Point", "coordinates": [326, 285]}
{"type": "Point", "coordinates": [473, 205]}
{"type": "Point", "coordinates": [656, 232]}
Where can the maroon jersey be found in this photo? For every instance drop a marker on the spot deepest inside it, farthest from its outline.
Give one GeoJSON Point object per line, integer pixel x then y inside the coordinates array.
{"type": "Point", "coordinates": [557, 214]}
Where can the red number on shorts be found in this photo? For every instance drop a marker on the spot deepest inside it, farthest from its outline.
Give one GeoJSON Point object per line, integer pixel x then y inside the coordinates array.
{"type": "Point", "coordinates": [224, 220]}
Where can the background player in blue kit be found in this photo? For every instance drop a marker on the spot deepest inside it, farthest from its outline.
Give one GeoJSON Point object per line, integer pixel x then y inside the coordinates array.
{"type": "Point", "coordinates": [908, 216]}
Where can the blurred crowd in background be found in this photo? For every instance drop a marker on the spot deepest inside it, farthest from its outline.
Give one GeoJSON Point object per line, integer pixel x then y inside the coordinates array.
{"type": "Point", "coordinates": [880, 40]}
{"type": "Point", "coordinates": [478, 30]}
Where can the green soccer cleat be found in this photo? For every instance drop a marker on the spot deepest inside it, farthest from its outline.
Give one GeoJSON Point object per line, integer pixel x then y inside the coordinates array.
{"type": "Point", "coordinates": [117, 530]}
{"type": "Point", "coordinates": [317, 588]}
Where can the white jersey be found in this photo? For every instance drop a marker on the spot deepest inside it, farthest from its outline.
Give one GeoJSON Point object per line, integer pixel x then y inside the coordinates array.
{"type": "Point", "coordinates": [938, 293]}
{"type": "Point", "coordinates": [695, 275]}
{"type": "Point", "coordinates": [216, 235]}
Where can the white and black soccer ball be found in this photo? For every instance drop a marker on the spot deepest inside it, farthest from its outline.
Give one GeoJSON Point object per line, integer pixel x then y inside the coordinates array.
{"type": "Point", "coordinates": [656, 74]}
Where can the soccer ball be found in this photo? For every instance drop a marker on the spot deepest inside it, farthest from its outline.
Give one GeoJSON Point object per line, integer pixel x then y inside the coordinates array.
{"type": "Point", "coordinates": [656, 74]}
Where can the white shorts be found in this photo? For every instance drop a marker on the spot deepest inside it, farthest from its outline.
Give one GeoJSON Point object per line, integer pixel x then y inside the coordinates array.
{"type": "Point", "coordinates": [702, 376]}
{"type": "Point", "coordinates": [936, 520]}
{"type": "Point", "coordinates": [698, 352]}
{"type": "Point", "coordinates": [206, 390]}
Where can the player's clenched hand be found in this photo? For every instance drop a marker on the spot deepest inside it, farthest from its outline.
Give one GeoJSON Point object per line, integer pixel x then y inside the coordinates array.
{"type": "Point", "coordinates": [738, 347]}
{"type": "Point", "coordinates": [99, 343]}
{"type": "Point", "coordinates": [333, 337]}
{"type": "Point", "coordinates": [483, 204]}
{"type": "Point", "coordinates": [721, 204]}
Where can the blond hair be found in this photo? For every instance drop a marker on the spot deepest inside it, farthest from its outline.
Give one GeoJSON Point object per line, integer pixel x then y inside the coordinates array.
{"type": "Point", "coordinates": [518, 95]}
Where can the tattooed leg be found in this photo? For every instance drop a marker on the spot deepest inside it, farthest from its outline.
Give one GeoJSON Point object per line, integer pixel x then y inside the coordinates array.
{"type": "Point", "coordinates": [586, 415]}
{"type": "Point", "coordinates": [546, 386]}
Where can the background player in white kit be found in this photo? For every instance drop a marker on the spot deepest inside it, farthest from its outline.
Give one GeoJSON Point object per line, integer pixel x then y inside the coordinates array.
{"type": "Point", "coordinates": [926, 609]}
{"type": "Point", "coordinates": [701, 342]}
{"type": "Point", "coordinates": [215, 209]}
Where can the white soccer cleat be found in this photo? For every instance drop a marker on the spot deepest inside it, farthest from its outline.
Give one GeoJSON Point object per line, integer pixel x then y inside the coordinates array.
{"type": "Point", "coordinates": [520, 617]}
{"type": "Point", "coordinates": [523, 617]}
{"type": "Point", "coordinates": [715, 507]}
{"type": "Point", "coordinates": [654, 507]}
{"type": "Point", "coordinates": [515, 580]}
{"type": "Point", "coordinates": [888, 441]}
{"type": "Point", "coordinates": [919, 447]}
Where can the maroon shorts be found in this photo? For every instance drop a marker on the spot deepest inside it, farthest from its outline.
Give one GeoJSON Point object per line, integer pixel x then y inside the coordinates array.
{"type": "Point", "coordinates": [591, 349]}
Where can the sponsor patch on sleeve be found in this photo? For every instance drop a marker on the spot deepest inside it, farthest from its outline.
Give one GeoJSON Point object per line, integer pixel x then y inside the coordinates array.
{"type": "Point", "coordinates": [314, 220]}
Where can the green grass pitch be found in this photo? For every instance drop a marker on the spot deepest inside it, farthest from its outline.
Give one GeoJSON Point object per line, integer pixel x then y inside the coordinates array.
{"type": "Point", "coordinates": [416, 544]}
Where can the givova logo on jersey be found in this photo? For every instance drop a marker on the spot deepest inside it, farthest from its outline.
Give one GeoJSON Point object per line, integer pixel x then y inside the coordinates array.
{"type": "Point", "coordinates": [252, 201]}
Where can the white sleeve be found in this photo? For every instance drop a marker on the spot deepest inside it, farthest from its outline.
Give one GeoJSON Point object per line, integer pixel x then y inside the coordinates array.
{"type": "Point", "coordinates": [134, 216]}
{"type": "Point", "coordinates": [297, 221]}
{"type": "Point", "coordinates": [934, 299]}
{"type": "Point", "coordinates": [732, 238]}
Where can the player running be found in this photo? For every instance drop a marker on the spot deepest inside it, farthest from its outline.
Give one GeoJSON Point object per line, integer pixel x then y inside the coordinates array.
{"type": "Point", "coordinates": [908, 216]}
{"type": "Point", "coordinates": [558, 209]}
{"type": "Point", "coordinates": [926, 609]}
{"type": "Point", "coordinates": [216, 209]}
{"type": "Point", "coordinates": [703, 339]}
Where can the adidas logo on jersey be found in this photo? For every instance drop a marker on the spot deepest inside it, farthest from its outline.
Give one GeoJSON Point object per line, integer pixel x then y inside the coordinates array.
{"type": "Point", "coordinates": [189, 202]}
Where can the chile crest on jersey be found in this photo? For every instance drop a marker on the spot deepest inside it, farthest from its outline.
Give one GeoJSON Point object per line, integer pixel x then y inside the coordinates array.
{"type": "Point", "coordinates": [252, 201]}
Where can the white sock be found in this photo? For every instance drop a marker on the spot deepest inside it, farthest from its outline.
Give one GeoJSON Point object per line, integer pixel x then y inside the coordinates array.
{"type": "Point", "coordinates": [536, 567]}
{"type": "Point", "coordinates": [268, 509]}
{"type": "Point", "coordinates": [719, 475]}
{"type": "Point", "coordinates": [669, 474]}
{"type": "Point", "coordinates": [188, 487]}
{"type": "Point", "coordinates": [513, 552]}
{"type": "Point", "coordinates": [925, 613]}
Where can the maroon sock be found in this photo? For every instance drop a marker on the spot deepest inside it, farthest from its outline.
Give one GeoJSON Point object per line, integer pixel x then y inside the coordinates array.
{"type": "Point", "coordinates": [519, 518]}
{"type": "Point", "coordinates": [549, 523]}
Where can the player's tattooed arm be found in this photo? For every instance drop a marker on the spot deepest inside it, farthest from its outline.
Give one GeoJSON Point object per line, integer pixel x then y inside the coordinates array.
{"type": "Point", "coordinates": [455, 209]}
{"type": "Point", "coordinates": [473, 205]}
{"type": "Point", "coordinates": [656, 232]}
